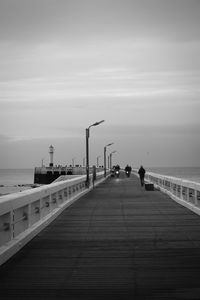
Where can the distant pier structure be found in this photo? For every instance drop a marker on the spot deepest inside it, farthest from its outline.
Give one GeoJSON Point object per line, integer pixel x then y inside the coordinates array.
{"type": "Point", "coordinates": [48, 174]}
{"type": "Point", "coordinates": [51, 152]}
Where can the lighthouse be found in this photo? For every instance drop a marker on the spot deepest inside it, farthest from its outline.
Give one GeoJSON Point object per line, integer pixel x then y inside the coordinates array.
{"type": "Point", "coordinates": [51, 151]}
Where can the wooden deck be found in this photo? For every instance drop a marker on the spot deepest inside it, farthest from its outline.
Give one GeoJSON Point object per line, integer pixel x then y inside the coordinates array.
{"type": "Point", "coordinates": [117, 242]}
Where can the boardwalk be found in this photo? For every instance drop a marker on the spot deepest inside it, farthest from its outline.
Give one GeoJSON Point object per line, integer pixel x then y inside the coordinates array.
{"type": "Point", "coordinates": [117, 242]}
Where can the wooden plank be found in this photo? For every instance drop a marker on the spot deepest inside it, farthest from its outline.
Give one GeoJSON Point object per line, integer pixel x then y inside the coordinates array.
{"type": "Point", "coordinates": [118, 241]}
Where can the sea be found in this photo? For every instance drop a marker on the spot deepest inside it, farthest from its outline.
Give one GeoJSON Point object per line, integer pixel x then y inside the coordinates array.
{"type": "Point", "coordinates": [188, 173]}
{"type": "Point", "coordinates": [16, 180]}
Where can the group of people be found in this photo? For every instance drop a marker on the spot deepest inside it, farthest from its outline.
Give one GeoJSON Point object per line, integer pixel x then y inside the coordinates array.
{"type": "Point", "coordinates": [141, 173]}
{"type": "Point", "coordinates": [128, 170]}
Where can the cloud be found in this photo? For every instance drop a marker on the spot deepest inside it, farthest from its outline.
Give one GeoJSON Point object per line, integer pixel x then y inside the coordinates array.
{"type": "Point", "coordinates": [109, 130]}
{"type": "Point", "coordinates": [66, 64]}
{"type": "Point", "coordinates": [104, 83]}
{"type": "Point", "coordinates": [36, 20]}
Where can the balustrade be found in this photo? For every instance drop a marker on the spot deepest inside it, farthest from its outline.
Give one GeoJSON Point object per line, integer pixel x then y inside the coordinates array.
{"type": "Point", "coordinates": [183, 191]}
{"type": "Point", "coordinates": [24, 212]}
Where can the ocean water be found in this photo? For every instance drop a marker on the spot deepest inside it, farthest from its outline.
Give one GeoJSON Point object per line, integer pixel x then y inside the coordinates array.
{"type": "Point", "coordinates": [16, 180]}
{"type": "Point", "coordinates": [11, 177]}
{"type": "Point", "coordinates": [188, 173]}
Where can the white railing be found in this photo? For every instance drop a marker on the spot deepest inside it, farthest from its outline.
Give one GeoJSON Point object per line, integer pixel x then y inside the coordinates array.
{"type": "Point", "coordinates": [183, 191]}
{"type": "Point", "coordinates": [23, 215]}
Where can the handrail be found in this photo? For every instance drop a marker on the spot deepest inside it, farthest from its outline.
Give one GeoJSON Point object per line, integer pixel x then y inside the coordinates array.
{"type": "Point", "coordinates": [183, 191]}
{"type": "Point", "coordinates": [25, 214]}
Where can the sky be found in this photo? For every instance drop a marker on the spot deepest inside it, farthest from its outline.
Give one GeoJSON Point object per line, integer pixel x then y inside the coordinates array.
{"type": "Point", "coordinates": [66, 64]}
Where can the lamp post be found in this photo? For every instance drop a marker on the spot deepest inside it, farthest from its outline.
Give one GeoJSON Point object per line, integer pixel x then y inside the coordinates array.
{"type": "Point", "coordinates": [73, 159]}
{"type": "Point", "coordinates": [111, 158]}
{"type": "Point", "coordinates": [98, 160]}
{"type": "Point", "coordinates": [87, 151]}
{"type": "Point", "coordinates": [42, 162]}
{"type": "Point", "coordinates": [105, 157]}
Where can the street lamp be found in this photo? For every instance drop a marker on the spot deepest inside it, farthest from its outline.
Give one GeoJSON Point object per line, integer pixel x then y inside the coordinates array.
{"type": "Point", "coordinates": [111, 158]}
{"type": "Point", "coordinates": [87, 151]}
{"type": "Point", "coordinates": [42, 162]}
{"type": "Point", "coordinates": [73, 159]}
{"type": "Point", "coordinates": [98, 160]}
{"type": "Point", "coordinates": [105, 157]}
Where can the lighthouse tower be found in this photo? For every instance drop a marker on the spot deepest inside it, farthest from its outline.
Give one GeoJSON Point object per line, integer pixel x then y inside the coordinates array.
{"type": "Point", "coordinates": [51, 151]}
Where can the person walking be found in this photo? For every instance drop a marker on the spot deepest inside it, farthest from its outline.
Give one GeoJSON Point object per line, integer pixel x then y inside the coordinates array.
{"type": "Point", "coordinates": [141, 173]}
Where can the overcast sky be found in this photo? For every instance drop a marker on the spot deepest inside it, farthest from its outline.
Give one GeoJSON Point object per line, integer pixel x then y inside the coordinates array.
{"type": "Point", "coordinates": [65, 64]}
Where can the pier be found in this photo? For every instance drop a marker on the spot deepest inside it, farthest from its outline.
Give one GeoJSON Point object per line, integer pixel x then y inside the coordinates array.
{"type": "Point", "coordinates": [116, 241]}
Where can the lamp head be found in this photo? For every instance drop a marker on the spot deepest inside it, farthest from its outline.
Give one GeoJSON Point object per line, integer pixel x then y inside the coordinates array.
{"type": "Point", "coordinates": [97, 123]}
{"type": "Point", "coordinates": [109, 144]}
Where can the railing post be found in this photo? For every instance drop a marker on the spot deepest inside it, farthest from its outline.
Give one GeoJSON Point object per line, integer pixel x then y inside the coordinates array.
{"type": "Point", "coordinates": [171, 187]}
{"type": "Point", "coordinates": [195, 197]}
{"type": "Point", "coordinates": [66, 193]}
{"type": "Point", "coordinates": [177, 187]}
{"type": "Point", "coordinates": [181, 192]}
{"type": "Point", "coordinates": [187, 194]}
{"type": "Point", "coordinates": [50, 202]}
{"type": "Point", "coordinates": [29, 215]}
{"type": "Point", "coordinates": [40, 208]}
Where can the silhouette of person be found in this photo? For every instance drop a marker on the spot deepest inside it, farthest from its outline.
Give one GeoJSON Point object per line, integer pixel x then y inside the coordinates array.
{"type": "Point", "coordinates": [141, 173]}
{"type": "Point", "coordinates": [128, 170]}
{"type": "Point", "coordinates": [117, 167]}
